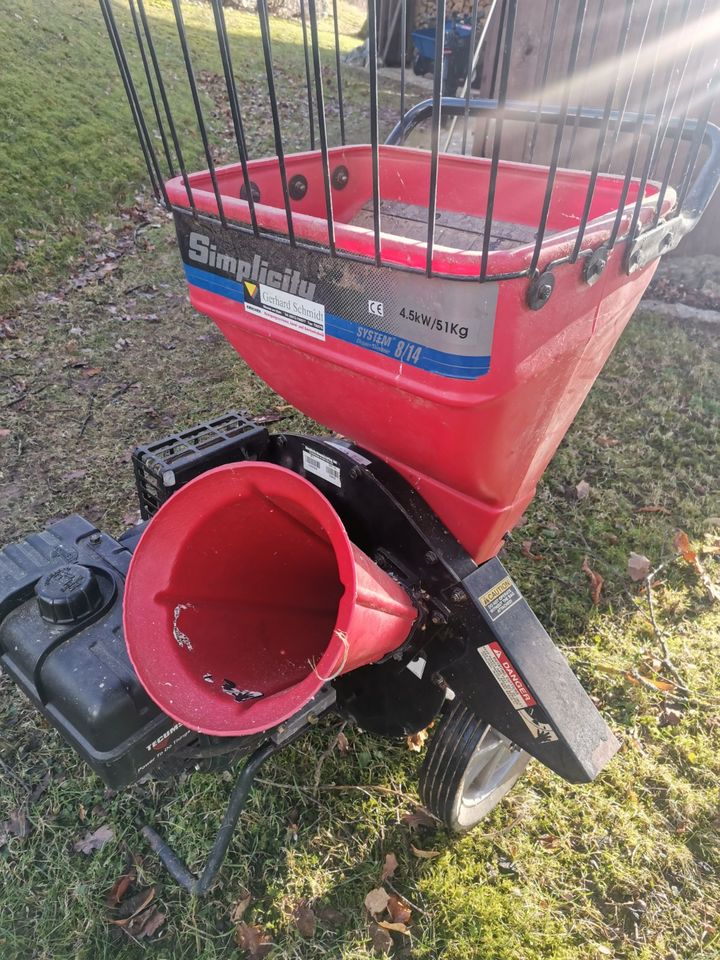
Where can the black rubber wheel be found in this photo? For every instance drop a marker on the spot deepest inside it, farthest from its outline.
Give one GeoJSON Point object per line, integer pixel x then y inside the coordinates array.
{"type": "Point", "coordinates": [468, 769]}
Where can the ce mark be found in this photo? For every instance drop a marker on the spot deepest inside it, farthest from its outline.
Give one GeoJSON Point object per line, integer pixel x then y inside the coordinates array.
{"type": "Point", "coordinates": [376, 307]}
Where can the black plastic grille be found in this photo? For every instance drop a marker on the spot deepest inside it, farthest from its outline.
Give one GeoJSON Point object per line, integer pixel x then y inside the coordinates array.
{"type": "Point", "coordinates": [165, 465]}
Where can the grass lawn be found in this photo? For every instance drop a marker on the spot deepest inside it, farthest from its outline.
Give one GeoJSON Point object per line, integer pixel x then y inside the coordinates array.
{"type": "Point", "coordinates": [627, 868]}
{"type": "Point", "coordinates": [67, 139]}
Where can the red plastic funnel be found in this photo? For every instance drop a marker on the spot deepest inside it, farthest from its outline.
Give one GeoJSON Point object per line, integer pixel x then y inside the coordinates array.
{"type": "Point", "coordinates": [245, 595]}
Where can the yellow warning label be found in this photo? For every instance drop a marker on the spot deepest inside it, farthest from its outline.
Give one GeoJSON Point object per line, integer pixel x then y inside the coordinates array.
{"type": "Point", "coordinates": [500, 598]}
{"type": "Point", "coordinates": [251, 288]}
{"type": "Point", "coordinates": [494, 592]}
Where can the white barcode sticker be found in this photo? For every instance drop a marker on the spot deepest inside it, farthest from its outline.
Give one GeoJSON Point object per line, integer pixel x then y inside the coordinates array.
{"type": "Point", "coordinates": [321, 466]}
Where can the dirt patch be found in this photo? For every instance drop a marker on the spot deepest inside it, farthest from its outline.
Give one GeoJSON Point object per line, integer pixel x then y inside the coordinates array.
{"type": "Point", "coordinates": [692, 281]}
{"type": "Point", "coordinates": [113, 358]}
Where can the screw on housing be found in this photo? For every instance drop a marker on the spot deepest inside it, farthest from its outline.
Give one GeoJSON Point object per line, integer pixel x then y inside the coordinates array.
{"type": "Point", "coordinates": [254, 192]}
{"type": "Point", "coordinates": [540, 290]}
{"type": "Point", "coordinates": [594, 265]}
{"type": "Point", "coordinates": [340, 177]}
{"type": "Point", "coordinates": [298, 186]}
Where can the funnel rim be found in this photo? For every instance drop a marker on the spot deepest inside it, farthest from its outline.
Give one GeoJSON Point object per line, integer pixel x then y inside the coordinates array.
{"type": "Point", "coordinates": [267, 479]}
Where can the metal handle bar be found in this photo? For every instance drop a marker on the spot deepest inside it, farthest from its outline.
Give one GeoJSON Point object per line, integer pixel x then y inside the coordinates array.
{"type": "Point", "coordinates": [199, 885]}
{"type": "Point", "coordinates": [280, 737]}
{"type": "Point", "coordinates": [649, 245]}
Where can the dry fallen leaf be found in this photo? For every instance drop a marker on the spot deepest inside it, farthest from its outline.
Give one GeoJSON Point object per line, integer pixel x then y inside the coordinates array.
{"type": "Point", "coordinates": [238, 911]}
{"type": "Point", "coordinates": [665, 686]}
{"type": "Point", "coordinates": [120, 887]}
{"type": "Point", "coordinates": [254, 941]}
{"type": "Point", "coordinates": [420, 817]}
{"type": "Point", "coordinates": [267, 418]}
{"type": "Point", "coordinates": [611, 671]}
{"type": "Point", "coordinates": [399, 912]}
{"type": "Point", "coordinates": [91, 372]}
{"type": "Point", "coordinates": [549, 841]}
{"type": "Point", "coordinates": [596, 581]}
{"type": "Point", "coordinates": [653, 508]}
{"type": "Point", "coordinates": [638, 566]}
{"type": "Point", "coordinates": [582, 490]}
{"type": "Point", "coordinates": [305, 919]}
{"type": "Point", "coordinates": [397, 927]}
{"type": "Point", "coordinates": [425, 854]}
{"type": "Point", "coordinates": [17, 826]}
{"type": "Point", "coordinates": [526, 550]}
{"type": "Point", "coordinates": [416, 741]}
{"type": "Point", "coordinates": [381, 940]}
{"type": "Point", "coordinates": [670, 717]}
{"type": "Point", "coordinates": [94, 841]}
{"type": "Point", "coordinates": [133, 906]}
{"type": "Point", "coordinates": [342, 742]}
{"type": "Point", "coordinates": [506, 865]}
{"type": "Point", "coordinates": [681, 543]}
{"type": "Point", "coordinates": [40, 787]}
{"type": "Point", "coordinates": [145, 924]}
{"type": "Point", "coordinates": [389, 867]}
{"type": "Point", "coordinates": [712, 588]}
{"type": "Point", "coordinates": [376, 901]}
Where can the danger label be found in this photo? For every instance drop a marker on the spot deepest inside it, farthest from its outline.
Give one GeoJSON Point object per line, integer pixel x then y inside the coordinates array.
{"type": "Point", "coordinates": [321, 466]}
{"type": "Point", "coordinates": [507, 676]}
{"type": "Point", "coordinates": [498, 599]}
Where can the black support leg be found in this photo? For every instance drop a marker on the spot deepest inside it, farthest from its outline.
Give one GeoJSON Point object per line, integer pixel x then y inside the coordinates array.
{"type": "Point", "coordinates": [199, 885]}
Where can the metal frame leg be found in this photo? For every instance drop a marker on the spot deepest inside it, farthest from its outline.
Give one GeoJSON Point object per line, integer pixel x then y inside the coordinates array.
{"type": "Point", "coordinates": [199, 885]}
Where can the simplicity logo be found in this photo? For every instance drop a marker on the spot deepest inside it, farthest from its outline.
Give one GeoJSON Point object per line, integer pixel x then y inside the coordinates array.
{"type": "Point", "coordinates": [257, 270]}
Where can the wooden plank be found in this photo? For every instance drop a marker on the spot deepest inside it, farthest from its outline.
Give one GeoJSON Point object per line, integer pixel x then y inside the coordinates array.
{"type": "Point", "coordinates": [453, 229]}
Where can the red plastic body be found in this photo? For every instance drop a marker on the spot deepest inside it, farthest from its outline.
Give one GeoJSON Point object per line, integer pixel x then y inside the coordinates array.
{"type": "Point", "coordinates": [475, 449]}
{"type": "Point", "coordinates": [245, 595]}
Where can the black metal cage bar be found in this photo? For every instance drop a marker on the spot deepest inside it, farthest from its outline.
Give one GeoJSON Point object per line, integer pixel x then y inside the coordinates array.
{"type": "Point", "coordinates": [435, 131]}
{"type": "Point", "coordinates": [508, 28]}
{"type": "Point", "coordinates": [166, 103]}
{"type": "Point", "coordinates": [234, 108]}
{"type": "Point", "coordinates": [613, 96]}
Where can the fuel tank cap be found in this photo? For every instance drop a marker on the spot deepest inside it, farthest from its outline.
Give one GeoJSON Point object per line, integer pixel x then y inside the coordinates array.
{"type": "Point", "coordinates": [68, 594]}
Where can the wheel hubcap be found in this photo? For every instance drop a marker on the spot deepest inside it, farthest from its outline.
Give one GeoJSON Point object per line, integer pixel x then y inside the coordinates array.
{"type": "Point", "coordinates": [493, 769]}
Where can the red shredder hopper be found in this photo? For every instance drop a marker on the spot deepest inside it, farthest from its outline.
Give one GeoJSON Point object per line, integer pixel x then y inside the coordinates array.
{"type": "Point", "coordinates": [466, 388]}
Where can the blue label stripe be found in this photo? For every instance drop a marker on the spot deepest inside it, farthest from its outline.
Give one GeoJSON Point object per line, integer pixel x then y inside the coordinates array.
{"type": "Point", "coordinates": [369, 338]}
